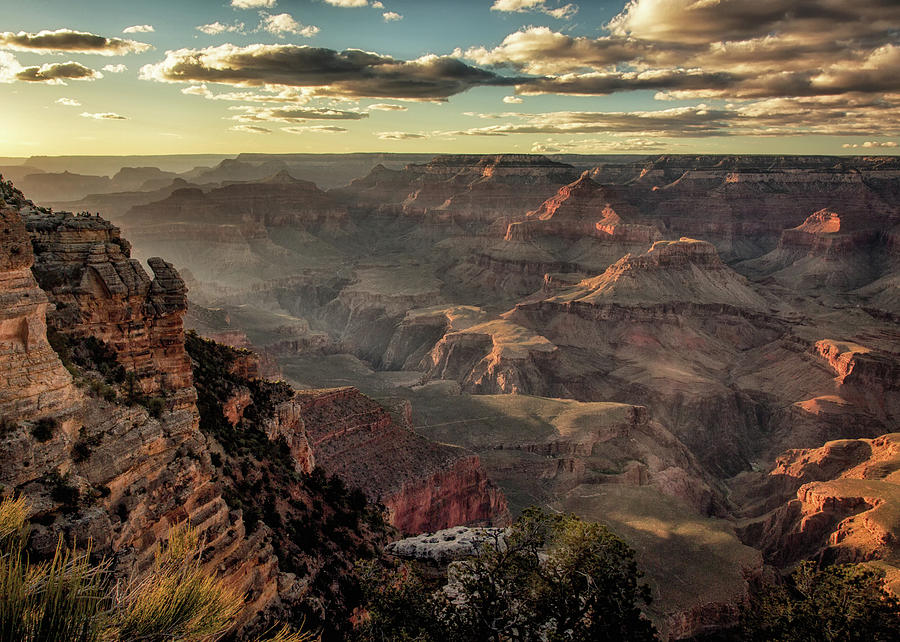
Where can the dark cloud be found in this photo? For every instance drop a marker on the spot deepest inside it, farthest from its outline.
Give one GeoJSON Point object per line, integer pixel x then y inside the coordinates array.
{"type": "Point", "coordinates": [607, 83]}
{"type": "Point", "coordinates": [704, 21]}
{"type": "Point", "coordinates": [350, 73]}
{"type": "Point", "coordinates": [69, 41]}
{"type": "Point", "coordinates": [57, 73]}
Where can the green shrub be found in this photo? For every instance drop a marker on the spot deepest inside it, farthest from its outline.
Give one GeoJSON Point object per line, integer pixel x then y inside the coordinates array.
{"type": "Point", "coordinates": [547, 578]}
{"type": "Point", "coordinates": [44, 429]}
{"type": "Point", "coordinates": [836, 603]}
{"type": "Point", "coordinates": [71, 599]}
{"type": "Point", "coordinates": [62, 491]}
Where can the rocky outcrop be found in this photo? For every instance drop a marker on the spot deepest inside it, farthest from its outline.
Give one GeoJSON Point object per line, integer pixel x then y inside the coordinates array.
{"type": "Point", "coordinates": [445, 545]}
{"type": "Point", "coordinates": [830, 249]}
{"type": "Point", "coordinates": [584, 208]}
{"type": "Point", "coordinates": [839, 504]}
{"type": "Point", "coordinates": [99, 291]}
{"type": "Point", "coordinates": [33, 382]}
{"type": "Point", "coordinates": [425, 486]}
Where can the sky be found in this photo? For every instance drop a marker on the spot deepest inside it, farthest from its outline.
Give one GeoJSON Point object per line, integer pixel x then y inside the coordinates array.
{"type": "Point", "coordinates": [107, 77]}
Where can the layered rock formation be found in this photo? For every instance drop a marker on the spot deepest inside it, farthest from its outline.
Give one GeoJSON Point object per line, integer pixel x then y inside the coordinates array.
{"type": "Point", "coordinates": [461, 189]}
{"type": "Point", "coordinates": [837, 503]}
{"type": "Point", "coordinates": [425, 486]}
{"type": "Point", "coordinates": [99, 291]}
{"type": "Point", "coordinates": [91, 465]}
{"type": "Point", "coordinates": [34, 382]}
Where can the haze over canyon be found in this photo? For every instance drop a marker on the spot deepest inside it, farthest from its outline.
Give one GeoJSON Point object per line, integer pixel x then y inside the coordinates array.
{"type": "Point", "coordinates": [346, 301]}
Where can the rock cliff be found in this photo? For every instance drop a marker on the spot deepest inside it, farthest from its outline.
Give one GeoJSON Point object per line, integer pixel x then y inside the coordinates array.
{"type": "Point", "coordinates": [425, 486]}
{"type": "Point", "coordinates": [839, 505]}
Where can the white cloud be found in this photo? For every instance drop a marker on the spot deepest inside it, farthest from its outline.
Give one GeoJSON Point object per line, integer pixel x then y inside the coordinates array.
{"type": "Point", "coordinates": [870, 144]}
{"type": "Point", "coordinates": [250, 129]}
{"type": "Point", "coordinates": [217, 27]}
{"type": "Point", "coordinates": [253, 4]}
{"type": "Point", "coordinates": [115, 69]}
{"type": "Point", "coordinates": [68, 102]}
{"type": "Point", "coordinates": [391, 16]}
{"type": "Point", "coordinates": [399, 135]}
{"type": "Point", "coordinates": [349, 4]}
{"type": "Point", "coordinates": [315, 129]}
{"type": "Point", "coordinates": [512, 100]}
{"type": "Point", "coordinates": [386, 107]}
{"type": "Point", "coordinates": [291, 114]}
{"type": "Point", "coordinates": [378, 4]}
{"type": "Point", "coordinates": [139, 29]}
{"type": "Point", "coordinates": [107, 115]}
{"type": "Point", "coordinates": [284, 23]}
{"type": "Point", "coordinates": [524, 6]}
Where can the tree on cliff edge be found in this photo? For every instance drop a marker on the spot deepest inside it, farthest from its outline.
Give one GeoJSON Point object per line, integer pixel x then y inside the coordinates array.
{"type": "Point", "coordinates": [845, 602]}
{"type": "Point", "coordinates": [548, 577]}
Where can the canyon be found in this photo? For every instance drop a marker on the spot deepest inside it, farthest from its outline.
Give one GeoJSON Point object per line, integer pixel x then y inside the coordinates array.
{"type": "Point", "coordinates": [700, 351]}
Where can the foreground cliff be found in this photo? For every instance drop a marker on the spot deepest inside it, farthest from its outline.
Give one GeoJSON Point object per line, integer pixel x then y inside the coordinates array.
{"type": "Point", "coordinates": [104, 431]}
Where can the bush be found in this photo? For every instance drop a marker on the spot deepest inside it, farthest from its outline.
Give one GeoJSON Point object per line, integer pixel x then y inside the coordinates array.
{"type": "Point", "coordinates": [841, 602]}
{"type": "Point", "coordinates": [70, 598]}
{"type": "Point", "coordinates": [7, 426]}
{"type": "Point", "coordinates": [62, 491]}
{"type": "Point", "coordinates": [44, 429]}
{"type": "Point", "coordinates": [82, 449]}
{"type": "Point", "coordinates": [548, 578]}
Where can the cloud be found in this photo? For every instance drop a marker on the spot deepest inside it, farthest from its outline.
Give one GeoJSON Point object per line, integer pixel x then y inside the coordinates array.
{"type": "Point", "coordinates": [315, 129]}
{"type": "Point", "coordinates": [704, 21]}
{"type": "Point", "coordinates": [870, 144]}
{"type": "Point", "coordinates": [540, 50]}
{"type": "Point", "coordinates": [253, 4]}
{"type": "Point", "coordinates": [250, 129]}
{"type": "Point", "coordinates": [699, 121]}
{"type": "Point", "coordinates": [115, 69]}
{"type": "Point", "coordinates": [57, 73]}
{"type": "Point", "coordinates": [399, 135]}
{"type": "Point", "coordinates": [69, 41]}
{"type": "Point", "coordinates": [348, 4]}
{"type": "Point", "coordinates": [253, 114]}
{"type": "Point", "coordinates": [108, 115]}
{"type": "Point", "coordinates": [524, 6]}
{"type": "Point", "coordinates": [599, 83]}
{"type": "Point", "coordinates": [285, 96]}
{"type": "Point", "coordinates": [284, 23]}
{"type": "Point", "coordinates": [512, 100]}
{"type": "Point", "coordinates": [351, 73]}
{"type": "Point", "coordinates": [386, 107]}
{"type": "Point", "coordinates": [139, 29]}
{"type": "Point", "coordinates": [378, 5]}
{"type": "Point", "coordinates": [68, 102]}
{"type": "Point", "coordinates": [217, 27]}
{"type": "Point", "coordinates": [391, 16]}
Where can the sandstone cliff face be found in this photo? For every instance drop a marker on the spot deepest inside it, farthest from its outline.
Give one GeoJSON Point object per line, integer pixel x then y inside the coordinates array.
{"type": "Point", "coordinates": [33, 382]}
{"type": "Point", "coordinates": [99, 291]}
{"type": "Point", "coordinates": [425, 486]}
{"type": "Point", "coordinates": [104, 469]}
